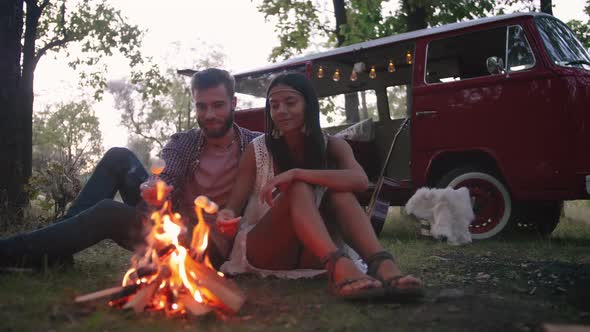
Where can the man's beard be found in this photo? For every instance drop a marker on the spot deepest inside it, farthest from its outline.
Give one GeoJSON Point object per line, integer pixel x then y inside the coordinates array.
{"type": "Point", "coordinates": [216, 133]}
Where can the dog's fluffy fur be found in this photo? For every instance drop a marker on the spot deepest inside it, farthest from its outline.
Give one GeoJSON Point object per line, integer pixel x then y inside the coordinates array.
{"type": "Point", "coordinates": [447, 210]}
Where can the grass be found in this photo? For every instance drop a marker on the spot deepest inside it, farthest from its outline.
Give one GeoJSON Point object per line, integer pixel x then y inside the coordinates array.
{"type": "Point", "coordinates": [43, 301]}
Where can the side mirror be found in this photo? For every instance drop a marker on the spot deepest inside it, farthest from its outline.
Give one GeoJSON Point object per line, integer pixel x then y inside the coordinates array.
{"type": "Point", "coordinates": [495, 65]}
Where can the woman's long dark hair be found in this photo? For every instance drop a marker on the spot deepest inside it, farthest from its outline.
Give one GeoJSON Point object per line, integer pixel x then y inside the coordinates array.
{"type": "Point", "coordinates": [315, 147]}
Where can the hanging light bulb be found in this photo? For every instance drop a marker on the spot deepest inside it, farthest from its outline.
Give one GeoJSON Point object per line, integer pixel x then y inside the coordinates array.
{"type": "Point", "coordinates": [372, 72]}
{"type": "Point", "coordinates": [408, 57]}
{"type": "Point", "coordinates": [320, 72]}
{"type": "Point", "coordinates": [391, 66]}
{"type": "Point", "coordinates": [353, 76]}
{"type": "Point", "coordinates": [336, 76]}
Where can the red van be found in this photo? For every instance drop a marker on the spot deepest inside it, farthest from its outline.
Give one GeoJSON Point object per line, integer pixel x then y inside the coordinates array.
{"type": "Point", "coordinates": [500, 105]}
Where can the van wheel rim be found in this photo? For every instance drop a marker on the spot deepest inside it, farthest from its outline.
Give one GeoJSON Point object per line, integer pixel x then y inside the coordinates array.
{"type": "Point", "coordinates": [488, 204]}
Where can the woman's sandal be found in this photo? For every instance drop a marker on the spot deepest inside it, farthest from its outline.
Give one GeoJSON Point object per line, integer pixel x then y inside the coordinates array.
{"type": "Point", "coordinates": [391, 285]}
{"type": "Point", "coordinates": [365, 293]}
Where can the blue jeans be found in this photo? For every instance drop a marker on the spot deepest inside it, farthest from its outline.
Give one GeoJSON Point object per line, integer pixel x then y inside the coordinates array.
{"type": "Point", "coordinates": [118, 170]}
{"type": "Point", "coordinates": [93, 217]}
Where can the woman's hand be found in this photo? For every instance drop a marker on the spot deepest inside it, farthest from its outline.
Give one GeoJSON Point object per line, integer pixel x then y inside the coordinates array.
{"type": "Point", "coordinates": [282, 182]}
{"type": "Point", "coordinates": [226, 223]}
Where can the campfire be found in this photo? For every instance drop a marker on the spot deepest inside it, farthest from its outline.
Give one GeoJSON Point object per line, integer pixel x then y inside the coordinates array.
{"type": "Point", "coordinates": [170, 277]}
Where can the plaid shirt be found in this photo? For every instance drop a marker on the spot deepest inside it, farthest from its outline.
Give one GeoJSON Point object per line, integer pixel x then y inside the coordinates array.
{"type": "Point", "coordinates": [182, 153]}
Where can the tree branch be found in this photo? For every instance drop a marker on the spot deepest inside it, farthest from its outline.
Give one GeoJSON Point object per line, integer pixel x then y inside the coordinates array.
{"type": "Point", "coordinates": [75, 161]}
{"type": "Point", "coordinates": [326, 30]}
{"type": "Point", "coordinates": [139, 132]}
{"type": "Point", "coordinates": [50, 45]}
{"type": "Point", "coordinates": [44, 4]}
{"type": "Point", "coordinates": [55, 42]}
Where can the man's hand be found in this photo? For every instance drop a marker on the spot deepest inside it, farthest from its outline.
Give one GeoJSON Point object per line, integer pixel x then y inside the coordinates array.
{"type": "Point", "coordinates": [282, 182]}
{"type": "Point", "coordinates": [226, 223]}
{"type": "Point", "coordinates": [149, 192]}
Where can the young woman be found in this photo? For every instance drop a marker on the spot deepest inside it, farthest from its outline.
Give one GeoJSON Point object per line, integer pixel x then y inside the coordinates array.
{"type": "Point", "coordinates": [298, 184]}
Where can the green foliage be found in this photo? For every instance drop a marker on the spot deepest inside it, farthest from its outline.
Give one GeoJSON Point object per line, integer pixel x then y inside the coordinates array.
{"type": "Point", "coordinates": [296, 22]}
{"type": "Point", "coordinates": [154, 114]}
{"type": "Point", "coordinates": [142, 148]}
{"type": "Point", "coordinates": [581, 29]}
{"type": "Point", "coordinates": [53, 186]}
{"type": "Point", "coordinates": [69, 133]}
{"type": "Point", "coordinates": [328, 108]}
{"type": "Point", "coordinates": [366, 22]}
{"type": "Point", "coordinates": [93, 30]}
{"type": "Point", "coordinates": [66, 143]}
{"type": "Point", "coordinates": [398, 101]}
{"type": "Point", "coordinates": [154, 119]}
{"type": "Point", "coordinates": [508, 6]}
{"type": "Point", "coordinates": [450, 11]}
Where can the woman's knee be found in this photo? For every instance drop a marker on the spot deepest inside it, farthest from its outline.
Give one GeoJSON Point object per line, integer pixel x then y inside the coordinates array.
{"type": "Point", "coordinates": [300, 190]}
{"type": "Point", "coordinates": [341, 199]}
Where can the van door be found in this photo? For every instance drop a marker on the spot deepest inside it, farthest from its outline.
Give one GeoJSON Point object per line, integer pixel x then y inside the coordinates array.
{"type": "Point", "coordinates": [459, 105]}
{"type": "Point", "coordinates": [572, 65]}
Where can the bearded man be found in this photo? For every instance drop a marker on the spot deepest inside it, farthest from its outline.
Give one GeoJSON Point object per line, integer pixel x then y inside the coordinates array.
{"type": "Point", "coordinates": [201, 161]}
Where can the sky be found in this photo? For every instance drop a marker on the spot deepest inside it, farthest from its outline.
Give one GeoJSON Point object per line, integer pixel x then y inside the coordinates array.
{"type": "Point", "coordinates": [233, 26]}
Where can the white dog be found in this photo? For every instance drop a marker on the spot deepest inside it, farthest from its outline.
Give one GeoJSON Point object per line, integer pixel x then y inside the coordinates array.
{"type": "Point", "coordinates": [448, 211]}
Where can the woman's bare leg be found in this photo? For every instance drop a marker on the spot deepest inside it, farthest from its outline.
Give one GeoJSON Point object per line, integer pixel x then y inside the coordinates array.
{"type": "Point", "coordinates": [356, 229]}
{"type": "Point", "coordinates": [294, 223]}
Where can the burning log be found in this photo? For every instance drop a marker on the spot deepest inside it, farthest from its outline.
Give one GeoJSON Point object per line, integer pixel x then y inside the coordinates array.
{"type": "Point", "coordinates": [193, 306]}
{"type": "Point", "coordinates": [170, 277]}
{"type": "Point", "coordinates": [166, 250]}
{"type": "Point", "coordinates": [225, 290]}
{"type": "Point", "coordinates": [114, 293]}
{"type": "Point", "coordinates": [142, 298]}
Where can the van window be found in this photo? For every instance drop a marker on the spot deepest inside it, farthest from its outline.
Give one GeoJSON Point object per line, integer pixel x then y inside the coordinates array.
{"type": "Point", "coordinates": [464, 56]}
{"type": "Point", "coordinates": [561, 43]}
{"type": "Point", "coordinates": [397, 97]}
{"type": "Point", "coordinates": [360, 105]}
{"type": "Point", "coordinates": [520, 55]}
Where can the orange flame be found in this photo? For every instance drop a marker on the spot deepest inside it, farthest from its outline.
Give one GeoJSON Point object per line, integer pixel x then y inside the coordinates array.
{"type": "Point", "coordinates": [173, 267]}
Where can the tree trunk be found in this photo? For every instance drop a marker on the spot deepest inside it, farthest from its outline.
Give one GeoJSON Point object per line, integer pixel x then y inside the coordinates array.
{"type": "Point", "coordinates": [351, 100]}
{"type": "Point", "coordinates": [415, 15]}
{"type": "Point", "coordinates": [13, 168]}
{"type": "Point", "coordinates": [547, 7]}
{"type": "Point", "coordinates": [340, 14]}
{"type": "Point", "coordinates": [26, 84]}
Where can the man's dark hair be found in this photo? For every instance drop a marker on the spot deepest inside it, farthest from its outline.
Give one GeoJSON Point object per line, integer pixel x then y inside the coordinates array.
{"type": "Point", "coordinates": [212, 77]}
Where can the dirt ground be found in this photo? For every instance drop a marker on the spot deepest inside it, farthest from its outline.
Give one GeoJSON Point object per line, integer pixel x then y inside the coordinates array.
{"type": "Point", "coordinates": [494, 285]}
{"type": "Point", "coordinates": [484, 293]}
{"type": "Point", "coordinates": [466, 291]}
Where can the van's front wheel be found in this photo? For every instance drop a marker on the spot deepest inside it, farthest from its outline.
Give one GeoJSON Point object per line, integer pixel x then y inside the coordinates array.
{"type": "Point", "coordinates": [490, 199]}
{"type": "Point", "coordinates": [540, 217]}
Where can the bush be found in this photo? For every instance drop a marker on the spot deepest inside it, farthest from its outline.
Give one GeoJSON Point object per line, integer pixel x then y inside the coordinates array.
{"type": "Point", "coordinates": [52, 188]}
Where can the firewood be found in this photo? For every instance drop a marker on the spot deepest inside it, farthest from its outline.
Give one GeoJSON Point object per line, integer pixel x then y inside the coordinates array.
{"type": "Point", "coordinates": [166, 250]}
{"type": "Point", "coordinates": [145, 271]}
{"type": "Point", "coordinates": [564, 328]}
{"type": "Point", "coordinates": [193, 306]}
{"type": "Point", "coordinates": [125, 292]}
{"type": "Point", "coordinates": [223, 289]}
{"type": "Point", "coordinates": [142, 297]}
{"type": "Point", "coordinates": [98, 295]}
